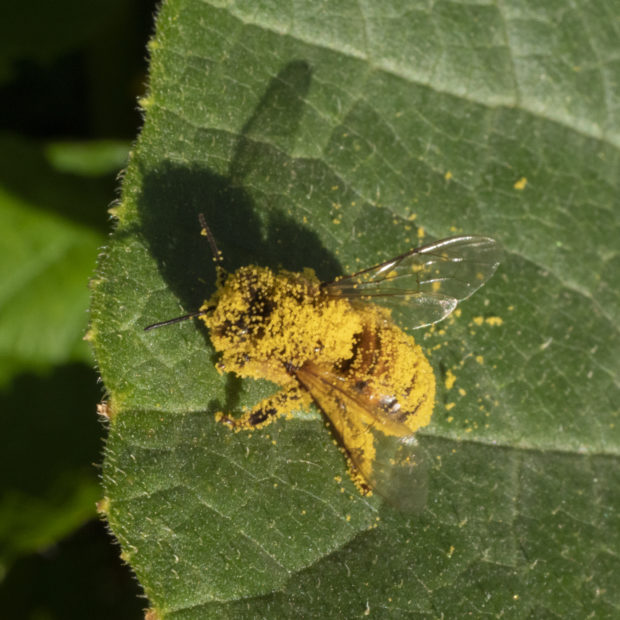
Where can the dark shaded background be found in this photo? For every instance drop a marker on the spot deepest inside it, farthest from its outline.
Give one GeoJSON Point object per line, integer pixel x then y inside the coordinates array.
{"type": "Point", "coordinates": [69, 71]}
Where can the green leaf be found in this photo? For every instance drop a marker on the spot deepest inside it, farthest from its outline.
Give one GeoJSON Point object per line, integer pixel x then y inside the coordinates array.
{"type": "Point", "coordinates": [333, 139]}
{"type": "Point", "coordinates": [49, 435]}
{"type": "Point", "coordinates": [94, 158]}
{"type": "Point", "coordinates": [47, 257]}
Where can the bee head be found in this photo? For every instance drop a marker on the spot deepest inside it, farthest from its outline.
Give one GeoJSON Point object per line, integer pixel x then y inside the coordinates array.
{"type": "Point", "coordinates": [244, 304]}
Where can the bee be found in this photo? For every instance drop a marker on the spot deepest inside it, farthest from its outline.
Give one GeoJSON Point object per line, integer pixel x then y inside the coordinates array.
{"type": "Point", "coordinates": [331, 344]}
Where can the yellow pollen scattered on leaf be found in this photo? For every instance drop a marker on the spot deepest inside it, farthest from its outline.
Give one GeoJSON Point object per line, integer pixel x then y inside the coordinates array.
{"type": "Point", "coordinates": [520, 184]}
{"type": "Point", "coordinates": [450, 379]}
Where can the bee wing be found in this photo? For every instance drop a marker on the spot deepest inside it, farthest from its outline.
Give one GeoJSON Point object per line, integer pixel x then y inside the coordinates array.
{"type": "Point", "coordinates": [382, 449]}
{"type": "Point", "coordinates": [428, 281]}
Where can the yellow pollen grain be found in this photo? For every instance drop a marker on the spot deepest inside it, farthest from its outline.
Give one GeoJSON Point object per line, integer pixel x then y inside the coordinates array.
{"type": "Point", "coordinates": [520, 184]}
{"type": "Point", "coordinates": [450, 379]}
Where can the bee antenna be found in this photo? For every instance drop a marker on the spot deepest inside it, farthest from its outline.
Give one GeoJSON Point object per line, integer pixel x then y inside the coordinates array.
{"type": "Point", "coordinates": [206, 231]}
{"type": "Point", "coordinates": [220, 274]}
{"type": "Point", "coordinates": [218, 258]}
{"type": "Point", "coordinates": [178, 319]}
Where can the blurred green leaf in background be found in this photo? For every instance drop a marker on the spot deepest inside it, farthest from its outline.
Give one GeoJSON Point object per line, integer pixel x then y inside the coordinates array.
{"type": "Point", "coordinates": [332, 136]}
{"type": "Point", "coordinates": [67, 118]}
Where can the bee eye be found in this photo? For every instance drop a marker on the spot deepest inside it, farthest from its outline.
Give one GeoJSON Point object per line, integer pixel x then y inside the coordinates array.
{"type": "Point", "coordinates": [260, 305]}
{"type": "Point", "coordinates": [241, 326]}
{"type": "Point", "coordinates": [233, 329]}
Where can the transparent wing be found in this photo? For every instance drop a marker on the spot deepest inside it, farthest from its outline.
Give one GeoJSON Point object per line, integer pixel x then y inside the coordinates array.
{"type": "Point", "coordinates": [429, 281]}
{"type": "Point", "coordinates": [382, 449]}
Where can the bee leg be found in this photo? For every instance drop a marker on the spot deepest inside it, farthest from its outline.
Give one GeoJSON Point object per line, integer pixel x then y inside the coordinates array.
{"type": "Point", "coordinates": [280, 404]}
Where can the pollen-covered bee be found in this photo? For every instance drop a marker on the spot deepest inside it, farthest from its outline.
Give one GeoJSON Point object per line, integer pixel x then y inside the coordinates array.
{"type": "Point", "coordinates": [328, 342]}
